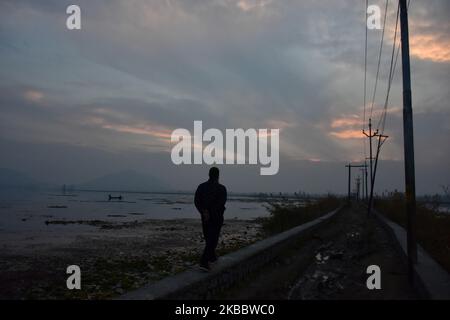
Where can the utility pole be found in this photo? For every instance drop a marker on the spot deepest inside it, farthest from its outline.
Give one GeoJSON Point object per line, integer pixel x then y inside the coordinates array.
{"type": "Point", "coordinates": [363, 178]}
{"type": "Point", "coordinates": [358, 187]}
{"type": "Point", "coordinates": [366, 183]}
{"type": "Point", "coordinates": [370, 136]}
{"type": "Point", "coordinates": [408, 137]}
{"type": "Point", "coordinates": [350, 166]}
{"type": "Point", "coordinates": [381, 139]}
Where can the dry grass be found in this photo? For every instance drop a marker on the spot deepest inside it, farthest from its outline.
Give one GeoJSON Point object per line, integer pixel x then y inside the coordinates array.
{"type": "Point", "coordinates": [284, 216]}
{"type": "Point", "coordinates": [433, 228]}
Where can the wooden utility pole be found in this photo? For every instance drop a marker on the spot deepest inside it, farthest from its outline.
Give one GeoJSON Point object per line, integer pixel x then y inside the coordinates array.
{"type": "Point", "coordinates": [366, 180]}
{"type": "Point", "coordinates": [370, 136]}
{"type": "Point", "coordinates": [408, 139]}
{"type": "Point", "coordinates": [349, 166]}
{"type": "Point", "coordinates": [358, 187]}
{"type": "Point", "coordinates": [381, 139]}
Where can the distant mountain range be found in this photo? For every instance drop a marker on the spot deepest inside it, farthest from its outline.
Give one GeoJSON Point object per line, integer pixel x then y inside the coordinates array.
{"type": "Point", "coordinates": [17, 180]}
{"type": "Point", "coordinates": [121, 181]}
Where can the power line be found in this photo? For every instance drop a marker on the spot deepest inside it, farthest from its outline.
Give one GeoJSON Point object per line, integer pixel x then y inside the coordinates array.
{"type": "Point", "coordinates": [390, 77]}
{"type": "Point", "coordinates": [392, 66]}
{"type": "Point", "coordinates": [371, 134]}
{"type": "Point", "coordinates": [382, 120]}
{"type": "Point", "coordinates": [379, 58]}
{"type": "Point", "coordinates": [365, 78]}
{"type": "Point", "coordinates": [381, 137]}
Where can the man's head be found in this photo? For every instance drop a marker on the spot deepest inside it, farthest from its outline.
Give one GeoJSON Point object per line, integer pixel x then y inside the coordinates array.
{"type": "Point", "coordinates": [214, 173]}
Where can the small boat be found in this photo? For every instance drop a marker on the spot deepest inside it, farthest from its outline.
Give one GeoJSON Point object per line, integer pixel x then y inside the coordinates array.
{"type": "Point", "coordinates": [110, 197]}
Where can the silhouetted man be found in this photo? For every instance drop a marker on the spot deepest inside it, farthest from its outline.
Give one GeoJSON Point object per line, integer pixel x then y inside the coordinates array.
{"type": "Point", "coordinates": [210, 199]}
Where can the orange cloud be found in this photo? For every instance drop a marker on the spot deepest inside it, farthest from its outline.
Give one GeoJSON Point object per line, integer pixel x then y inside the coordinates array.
{"type": "Point", "coordinates": [156, 131]}
{"type": "Point", "coordinates": [427, 40]}
{"type": "Point", "coordinates": [248, 5]}
{"type": "Point", "coordinates": [347, 127]}
{"type": "Point", "coordinates": [280, 124]}
{"type": "Point", "coordinates": [33, 95]}
{"type": "Point", "coordinates": [267, 134]}
{"type": "Point", "coordinates": [348, 134]}
{"type": "Point", "coordinates": [346, 122]}
{"type": "Point", "coordinates": [140, 129]}
{"type": "Point", "coordinates": [430, 47]}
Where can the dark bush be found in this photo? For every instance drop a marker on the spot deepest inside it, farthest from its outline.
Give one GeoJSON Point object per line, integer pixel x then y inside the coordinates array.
{"type": "Point", "coordinates": [433, 227]}
{"type": "Point", "coordinates": [285, 215]}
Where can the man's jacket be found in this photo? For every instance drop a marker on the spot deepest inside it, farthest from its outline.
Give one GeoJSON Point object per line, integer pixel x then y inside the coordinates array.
{"type": "Point", "coordinates": [211, 196]}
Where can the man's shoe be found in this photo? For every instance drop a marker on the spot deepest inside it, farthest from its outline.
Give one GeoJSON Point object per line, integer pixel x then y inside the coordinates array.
{"type": "Point", "coordinates": [205, 267]}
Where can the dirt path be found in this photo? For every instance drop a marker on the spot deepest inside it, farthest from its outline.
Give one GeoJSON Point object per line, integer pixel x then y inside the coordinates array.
{"type": "Point", "coordinates": [331, 264]}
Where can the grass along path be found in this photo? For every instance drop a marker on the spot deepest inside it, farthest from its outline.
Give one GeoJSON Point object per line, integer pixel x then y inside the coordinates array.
{"type": "Point", "coordinates": [331, 264]}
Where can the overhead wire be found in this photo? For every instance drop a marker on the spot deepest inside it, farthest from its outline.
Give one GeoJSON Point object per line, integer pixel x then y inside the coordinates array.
{"type": "Point", "coordinates": [379, 59]}
{"type": "Point", "coordinates": [392, 68]}
{"type": "Point", "coordinates": [382, 120]}
{"type": "Point", "coordinates": [365, 78]}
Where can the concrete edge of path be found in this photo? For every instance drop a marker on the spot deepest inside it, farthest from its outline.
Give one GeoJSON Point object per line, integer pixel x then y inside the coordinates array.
{"type": "Point", "coordinates": [430, 279]}
{"type": "Point", "coordinates": [195, 284]}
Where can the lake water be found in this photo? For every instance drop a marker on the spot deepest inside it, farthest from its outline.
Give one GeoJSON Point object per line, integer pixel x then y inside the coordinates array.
{"type": "Point", "coordinates": [30, 211]}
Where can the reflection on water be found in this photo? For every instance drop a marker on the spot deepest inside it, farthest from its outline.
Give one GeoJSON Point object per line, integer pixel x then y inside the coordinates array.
{"type": "Point", "coordinates": [30, 211]}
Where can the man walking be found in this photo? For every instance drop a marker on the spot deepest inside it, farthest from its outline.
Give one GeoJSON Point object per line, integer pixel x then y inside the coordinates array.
{"type": "Point", "coordinates": [210, 199]}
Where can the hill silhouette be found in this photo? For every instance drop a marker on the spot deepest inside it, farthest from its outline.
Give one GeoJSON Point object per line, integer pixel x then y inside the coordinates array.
{"type": "Point", "coordinates": [18, 180]}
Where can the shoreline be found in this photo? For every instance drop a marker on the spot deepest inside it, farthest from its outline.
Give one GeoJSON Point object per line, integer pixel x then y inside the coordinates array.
{"type": "Point", "coordinates": [113, 260]}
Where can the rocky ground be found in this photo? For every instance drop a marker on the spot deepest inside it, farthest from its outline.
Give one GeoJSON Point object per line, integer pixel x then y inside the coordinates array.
{"type": "Point", "coordinates": [113, 257]}
{"type": "Point", "coordinates": [331, 264]}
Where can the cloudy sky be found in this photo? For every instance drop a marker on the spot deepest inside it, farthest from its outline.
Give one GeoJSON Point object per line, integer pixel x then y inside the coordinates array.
{"type": "Point", "coordinates": [79, 104]}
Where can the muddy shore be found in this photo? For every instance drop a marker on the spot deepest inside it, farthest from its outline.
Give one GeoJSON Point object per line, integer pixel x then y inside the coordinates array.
{"type": "Point", "coordinates": [113, 257]}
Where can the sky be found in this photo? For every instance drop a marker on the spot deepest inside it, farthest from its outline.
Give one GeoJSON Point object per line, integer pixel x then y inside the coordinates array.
{"type": "Point", "coordinates": [78, 104]}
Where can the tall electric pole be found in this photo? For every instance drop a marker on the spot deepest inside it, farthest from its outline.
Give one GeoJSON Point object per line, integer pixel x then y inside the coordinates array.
{"type": "Point", "coordinates": [365, 175]}
{"type": "Point", "coordinates": [350, 166]}
{"type": "Point", "coordinates": [364, 183]}
{"type": "Point", "coordinates": [358, 187]}
{"type": "Point", "coordinates": [381, 139]}
{"type": "Point", "coordinates": [370, 136]}
{"type": "Point", "coordinates": [408, 137]}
